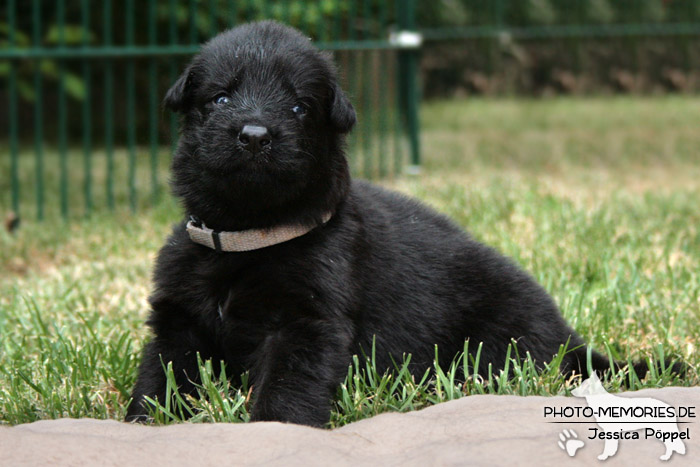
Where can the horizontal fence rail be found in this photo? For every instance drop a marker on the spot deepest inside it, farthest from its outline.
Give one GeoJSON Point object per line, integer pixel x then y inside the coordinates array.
{"type": "Point", "coordinates": [85, 79]}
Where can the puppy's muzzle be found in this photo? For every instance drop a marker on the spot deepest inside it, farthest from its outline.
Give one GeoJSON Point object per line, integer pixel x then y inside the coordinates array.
{"type": "Point", "coordinates": [254, 138]}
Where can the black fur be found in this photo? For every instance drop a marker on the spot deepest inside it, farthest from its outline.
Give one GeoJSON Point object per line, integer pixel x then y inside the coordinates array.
{"type": "Point", "coordinates": [293, 314]}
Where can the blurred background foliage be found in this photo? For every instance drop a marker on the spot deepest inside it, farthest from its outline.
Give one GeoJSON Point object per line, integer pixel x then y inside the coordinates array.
{"type": "Point", "coordinates": [548, 12]}
{"type": "Point", "coordinates": [534, 47]}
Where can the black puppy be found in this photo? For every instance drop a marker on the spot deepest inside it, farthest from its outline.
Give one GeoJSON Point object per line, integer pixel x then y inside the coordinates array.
{"type": "Point", "coordinates": [289, 267]}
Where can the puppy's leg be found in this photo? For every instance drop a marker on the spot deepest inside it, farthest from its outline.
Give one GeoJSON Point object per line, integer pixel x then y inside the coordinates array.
{"type": "Point", "coordinates": [296, 373]}
{"type": "Point", "coordinates": [151, 379]}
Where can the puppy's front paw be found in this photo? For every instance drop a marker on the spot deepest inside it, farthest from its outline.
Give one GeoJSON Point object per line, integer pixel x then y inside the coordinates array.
{"type": "Point", "coordinates": [137, 418]}
{"type": "Point", "coordinates": [136, 412]}
{"type": "Point", "coordinates": [309, 417]}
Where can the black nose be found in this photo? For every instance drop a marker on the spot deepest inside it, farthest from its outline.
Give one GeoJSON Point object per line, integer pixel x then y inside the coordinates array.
{"type": "Point", "coordinates": [254, 138]}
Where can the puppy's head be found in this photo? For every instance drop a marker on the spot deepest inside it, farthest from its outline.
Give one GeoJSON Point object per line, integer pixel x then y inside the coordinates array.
{"type": "Point", "coordinates": [263, 130]}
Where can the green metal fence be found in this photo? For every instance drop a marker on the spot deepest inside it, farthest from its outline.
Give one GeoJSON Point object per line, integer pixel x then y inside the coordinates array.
{"type": "Point", "coordinates": [84, 82]}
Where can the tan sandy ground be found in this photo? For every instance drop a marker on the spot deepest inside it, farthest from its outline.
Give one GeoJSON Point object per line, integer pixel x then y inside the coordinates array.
{"type": "Point", "coordinates": [476, 430]}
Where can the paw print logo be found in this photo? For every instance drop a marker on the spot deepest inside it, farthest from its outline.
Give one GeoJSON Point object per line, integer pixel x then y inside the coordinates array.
{"type": "Point", "coordinates": [569, 442]}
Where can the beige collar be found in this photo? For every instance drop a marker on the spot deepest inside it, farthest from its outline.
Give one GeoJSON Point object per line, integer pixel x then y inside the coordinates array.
{"type": "Point", "coordinates": [245, 240]}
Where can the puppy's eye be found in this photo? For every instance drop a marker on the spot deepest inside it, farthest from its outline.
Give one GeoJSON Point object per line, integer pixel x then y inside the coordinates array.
{"type": "Point", "coordinates": [299, 110]}
{"type": "Point", "coordinates": [221, 99]}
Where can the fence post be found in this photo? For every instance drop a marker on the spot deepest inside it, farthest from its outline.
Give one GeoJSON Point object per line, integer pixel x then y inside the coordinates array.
{"type": "Point", "coordinates": [408, 81]}
{"type": "Point", "coordinates": [109, 101]}
{"type": "Point", "coordinates": [87, 109]}
{"type": "Point", "coordinates": [62, 115]}
{"type": "Point", "coordinates": [38, 114]}
{"type": "Point", "coordinates": [12, 98]}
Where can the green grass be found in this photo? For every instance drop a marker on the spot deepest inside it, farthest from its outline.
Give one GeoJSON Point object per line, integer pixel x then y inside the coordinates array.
{"type": "Point", "coordinates": [597, 198]}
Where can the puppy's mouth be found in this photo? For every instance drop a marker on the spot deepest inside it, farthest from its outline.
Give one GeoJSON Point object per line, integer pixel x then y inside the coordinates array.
{"type": "Point", "coordinates": [259, 157]}
{"type": "Point", "coordinates": [227, 159]}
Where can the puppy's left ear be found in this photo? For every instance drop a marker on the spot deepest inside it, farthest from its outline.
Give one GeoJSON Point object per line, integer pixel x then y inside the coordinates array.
{"type": "Point", "coordinates": [178, 97]}
{"type": "Point", "coordinates": [342, 113]}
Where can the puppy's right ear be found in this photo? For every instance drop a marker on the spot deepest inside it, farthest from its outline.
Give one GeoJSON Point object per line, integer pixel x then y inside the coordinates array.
{"type": "Point", "coordinates": [342, 113]}
{"type": "Point", "coordinates": [179, 96]}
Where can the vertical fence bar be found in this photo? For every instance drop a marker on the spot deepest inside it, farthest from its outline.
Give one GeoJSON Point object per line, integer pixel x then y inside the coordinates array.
{"type": "Point", "coordinates": [153, 102]}
{"type": "Point", "coordinates": [38, 113]}
{"type": "Point", "coordinates": [398, 101]}
{"type": "Point", "coordinates": [496, 20]}
{"type": "Point", "coordinates": [232, 13]}
{"type": "Point", "coordinates": [688, 56]}
{"type": "Point", "coordinates": [62, 110]}
{"type": "Point", "coordinates": [172, 73]}
{"type": "Point", "coordinates": [130, 105]}
{"type": "Point", "coordinates": [249, 12]}
{"type": "Point", "coordinates": [213, 18]}
{"type": "Point", "coordinates": [109, 103]}
{"type": "Point", "coordinates": [12, 104]}
{"type": "Point", "coordinates": [636, 56]}
{"type": "Point", "coordinates": [87, 111]}
{"type": "Point", "coordinates": [381, 131]}
{"type": "Point", "coordinates": [303, 24]}
{"type": "Point", "coordinates": [267, 9]}
{"type": "Point", "coordinates": [352, 83]}
{"type": "Point", "coordinates": [337, 24]}
{"type": "Point", "coordinates": [340, 56]}
{"type": "Point", "coordinates": [408, 69]}
{"type": "Point", "coordinates": [580, 8]}
{"type": "Point", "coordinates": [193, 21]}
{"type": "Point", "coordinates": [322, 26]}
{"type": "Point", "coordinates": [366, 60]}
{"type": "Point", "coordinates": [286, 12]}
